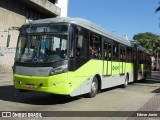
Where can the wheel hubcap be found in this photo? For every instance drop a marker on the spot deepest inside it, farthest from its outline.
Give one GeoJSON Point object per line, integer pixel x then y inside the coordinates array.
{"type": "Point", "coordinates": [126, 81]}
{"type": "Point", "coordinates": [94, 87]}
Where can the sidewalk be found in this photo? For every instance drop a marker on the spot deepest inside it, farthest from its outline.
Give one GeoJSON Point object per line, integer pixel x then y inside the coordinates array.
{"type": "Point", "coordinates": [6, 78]}
{"type": "Point", "coordinates": [155, 76]}
{"type": "Point", "coordinates": [153, 104]}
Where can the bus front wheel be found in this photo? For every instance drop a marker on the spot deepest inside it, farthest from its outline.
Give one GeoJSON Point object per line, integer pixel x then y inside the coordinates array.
{"type": "Point", "coordinates": [94, 88]}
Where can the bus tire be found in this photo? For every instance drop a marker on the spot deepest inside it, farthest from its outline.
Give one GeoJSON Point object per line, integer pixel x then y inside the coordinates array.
{"type": "Point", "coordinates": [126, 81]}
{"type": "Point", "coordinates": [21, 90]}
{"type": "Point", "coordinates": [94, 88]}
{"type": "Point", "coordinates": [145, 75]}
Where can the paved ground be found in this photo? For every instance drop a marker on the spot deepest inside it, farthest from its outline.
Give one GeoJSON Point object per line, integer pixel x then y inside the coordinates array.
{"type": "Point", "coordinates": [140, 96]}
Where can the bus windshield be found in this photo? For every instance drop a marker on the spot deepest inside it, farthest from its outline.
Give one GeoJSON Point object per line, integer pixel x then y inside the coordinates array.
{"type": "Point", "coordinates": [44, 48]}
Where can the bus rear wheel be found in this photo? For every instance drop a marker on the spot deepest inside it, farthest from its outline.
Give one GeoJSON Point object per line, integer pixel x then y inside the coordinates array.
{"type": "Point", "coordinates": [126, 81]}
{"type": "Point", "coordinates": [94, 88]}
{"type": "Point", "coordinates": [145, 75]}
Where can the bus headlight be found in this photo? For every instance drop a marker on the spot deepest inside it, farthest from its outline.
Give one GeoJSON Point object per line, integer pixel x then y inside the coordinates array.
{"type": "Point", "coordinates": [59, 69]}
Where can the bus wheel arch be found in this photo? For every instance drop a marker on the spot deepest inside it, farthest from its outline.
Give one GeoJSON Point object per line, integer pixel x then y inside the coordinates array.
{"type": "Point", "coordinates": [95, 86]}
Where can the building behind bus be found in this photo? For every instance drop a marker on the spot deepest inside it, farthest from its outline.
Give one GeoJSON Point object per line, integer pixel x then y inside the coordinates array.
{"type": "Point", "coordinates": [15, 13]}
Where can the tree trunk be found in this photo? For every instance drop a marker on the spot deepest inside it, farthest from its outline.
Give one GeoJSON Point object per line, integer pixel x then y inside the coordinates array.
{"type": "Point", "coordinates": [157, 63]}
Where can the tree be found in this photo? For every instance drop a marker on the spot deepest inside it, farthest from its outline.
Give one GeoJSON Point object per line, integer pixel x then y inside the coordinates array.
{"type": "Point", "coordinates": [149, 41]}
{"type": "Point", "coordinates": [158, 9]}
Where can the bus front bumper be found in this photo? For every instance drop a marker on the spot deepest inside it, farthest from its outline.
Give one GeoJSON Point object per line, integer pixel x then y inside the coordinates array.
{"type": "Point", "coordinates": [56, 84]}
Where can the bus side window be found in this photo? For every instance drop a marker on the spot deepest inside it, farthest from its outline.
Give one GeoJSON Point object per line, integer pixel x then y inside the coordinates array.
{"type": "Point", "coordinates": [127, 54]}
{"type": "Point", "coordinates": [122, 54]}
{"type": "Point", "coordinates": [95, 47]}
{"type": "Point", "coordinates": [109, 51]}
{"type": "Point", "coordinates": [116, 51]}
{"type": "Point", "coordinates": [105, 51]}
{"type": "Point", "coordinates": [81, 43]}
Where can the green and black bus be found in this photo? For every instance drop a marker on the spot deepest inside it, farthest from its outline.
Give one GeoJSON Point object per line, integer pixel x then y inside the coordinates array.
{"type": "Point", "coordinates": [73, 56]}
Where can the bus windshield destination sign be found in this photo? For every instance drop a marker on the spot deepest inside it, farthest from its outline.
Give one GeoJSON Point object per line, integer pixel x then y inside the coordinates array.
{"type": "Point", "coordinates": [43, 29]}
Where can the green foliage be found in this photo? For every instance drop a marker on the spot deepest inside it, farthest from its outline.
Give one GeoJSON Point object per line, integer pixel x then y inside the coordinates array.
{"type": "Point", "coordinates": [149, 41]}
{"type": "Point", "coordinates": [158, 9]}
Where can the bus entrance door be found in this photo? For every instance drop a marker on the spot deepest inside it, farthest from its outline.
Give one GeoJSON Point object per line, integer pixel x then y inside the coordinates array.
{"type": "Point", "coordinates": [122, 60]}
{"type": "Point", "coordinates": [107, 63]}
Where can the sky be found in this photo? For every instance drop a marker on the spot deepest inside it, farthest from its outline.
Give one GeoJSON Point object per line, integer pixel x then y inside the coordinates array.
{"type": "Point", "coordinates": [122, 17]}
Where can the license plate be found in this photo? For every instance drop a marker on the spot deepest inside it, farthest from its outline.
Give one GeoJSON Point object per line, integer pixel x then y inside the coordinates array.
{"type": "Point", "coordinates": [30, 86]}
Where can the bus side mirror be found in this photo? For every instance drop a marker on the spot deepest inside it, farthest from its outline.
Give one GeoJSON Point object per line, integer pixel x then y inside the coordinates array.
{"type": "Point", "coordinates": [8, 40]}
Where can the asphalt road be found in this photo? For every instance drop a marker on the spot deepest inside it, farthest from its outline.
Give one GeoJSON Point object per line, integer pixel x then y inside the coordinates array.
{"type": "Point", "coordinates": [140, 96]}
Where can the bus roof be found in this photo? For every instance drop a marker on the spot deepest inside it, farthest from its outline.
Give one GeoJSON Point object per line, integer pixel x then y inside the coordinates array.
{"type": "Point", "coordinates": [86, 24]}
